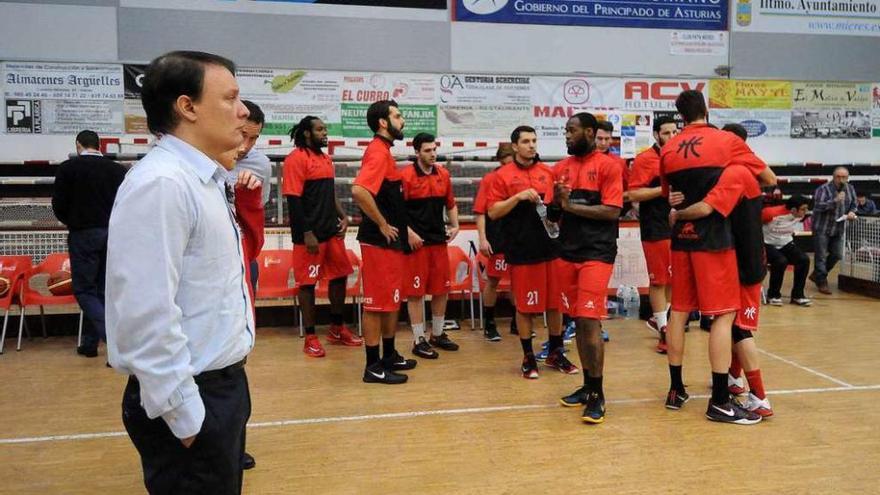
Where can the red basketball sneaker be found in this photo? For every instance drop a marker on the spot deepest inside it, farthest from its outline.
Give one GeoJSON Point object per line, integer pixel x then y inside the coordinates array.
{"type": "Point", "coordinates": [662, 348]}
{"type": "Point", "coordinates": [312, 347]}
{"type": "Point", "coordinates": [341, 335]}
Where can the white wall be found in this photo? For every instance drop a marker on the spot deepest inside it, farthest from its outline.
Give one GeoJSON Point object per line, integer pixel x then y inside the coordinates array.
{"type": "Point", "coordinates": [776, 151]}
{"type": "Point", "coordinates": [57, 32]}
{"type": "Point", "coordinates": [523, 49]}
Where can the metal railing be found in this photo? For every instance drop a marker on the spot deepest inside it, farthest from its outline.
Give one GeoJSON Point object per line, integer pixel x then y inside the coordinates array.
{"type": "Point", "coordinates": [861, 256]}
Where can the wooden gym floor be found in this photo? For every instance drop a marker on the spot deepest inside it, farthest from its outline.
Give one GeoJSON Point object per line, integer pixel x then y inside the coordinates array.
{"type": "Point", "coordinates": [467, 423]}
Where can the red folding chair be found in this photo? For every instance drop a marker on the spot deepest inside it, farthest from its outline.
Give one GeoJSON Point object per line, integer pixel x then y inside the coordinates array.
{"type": "Point", "coordinates": [481, 263]}
{"type": "Point", "coordinates": [34, 292]}
{"type": "Point", "coordinates": [276, 278]}
{"type": "Point", "coordinates": [12, 268]}
{"type": "Point", "coordinates": [353, 286]}
{"type": "Point", "coordinates": [461, 276]}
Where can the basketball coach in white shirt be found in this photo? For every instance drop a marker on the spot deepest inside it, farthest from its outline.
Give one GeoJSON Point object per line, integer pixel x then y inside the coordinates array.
{"type": "Point", "coordinates": [179, 316]}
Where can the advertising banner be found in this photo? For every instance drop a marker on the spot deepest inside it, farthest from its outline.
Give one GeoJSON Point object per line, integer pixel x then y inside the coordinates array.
{"type": "Point", "coordinates": [758, 123]}
{"type": "Point", "coordinates": [556, 99]}
{"type": "Point", "coordinates": [734, 93]}
{"type": "Point", "coordinates": [841, 17]}
{"type": "Point", "coordinates": [418, 118]}
{"type": "Point", "coordinates": [483, 105]}
{"type": "Point", "coordinates": [709, 15]}
{"type": "Point", "coordinates": [287, 95]}
{"type": "Point", "coordinates": [62, 98]}
{"type": "Point", "coordinates": [658, 94]}
{"type": "Point", "coordinates": [415, 93]}
{"type": "Point", "coordinates": [132, 109]}
{"type": "Point", "coordinates": [831, 124]}
{"type": "Point", "coordinates": [831, 95]}
{"type": "Point", "coordinates": [875, 109]}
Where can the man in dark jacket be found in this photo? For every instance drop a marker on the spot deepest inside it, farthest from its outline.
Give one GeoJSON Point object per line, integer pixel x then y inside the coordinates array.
{"type": "Point", "coordinates": [85, 188]}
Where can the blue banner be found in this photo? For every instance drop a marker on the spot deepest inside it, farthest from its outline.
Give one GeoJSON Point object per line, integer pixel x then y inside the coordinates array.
{"type": "Point", "coordinates": [709, 15]}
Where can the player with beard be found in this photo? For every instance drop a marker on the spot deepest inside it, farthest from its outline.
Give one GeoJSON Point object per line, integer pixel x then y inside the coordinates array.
{"type": "Point", "coordinates": [519, 191]}
{"type": "Point", "coordinates": [318, 225]}
{"type": "Point", "coordinates": [384, 236]}
{"type": "Point", "coordinates": [644, 188]}
{"type": "Point", "coordinates": [589, 191]}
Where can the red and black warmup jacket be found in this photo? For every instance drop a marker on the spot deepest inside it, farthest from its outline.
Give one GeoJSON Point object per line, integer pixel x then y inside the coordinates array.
{"type": "Point", "coordinates": [654, 213]}
{"type": "Point", "coordinates": [481, 207]}
{"type": "Point", "coordinates": [624, 170]}
{"type": "Point", "coordinates": [737, 196]}
{"type": "Point", "coordinates": [251, 220]}
{"type": "Point", "coordinates": [691, 163]}
{"type": "Point", "coordinates": [525, 239]}
{"type": "Point", "coordinates": [380, 176]}
{"type": "Point", "coordinates": [595, 179]}
{"type": "Point", "coordinates": [426, 195]}
{"type": "Point", "coordinates": [308, 182]}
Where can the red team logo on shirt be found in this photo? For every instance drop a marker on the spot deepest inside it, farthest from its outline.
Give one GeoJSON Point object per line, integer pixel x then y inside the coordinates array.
{"type": "Point", "coordinates": [688, 232]}
{"type": "Point", "coordinates": [690, 146]}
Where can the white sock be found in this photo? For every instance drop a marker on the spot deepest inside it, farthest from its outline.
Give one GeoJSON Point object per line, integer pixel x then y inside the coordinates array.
{"type": "Point", "coordinates": [668, 305]}
{"type": "Point", "coordinates": [437, 325]}
{"type": "Point", "coordinates": [418, 331]}
{"type": "Point", "coordinates": [660, 316]}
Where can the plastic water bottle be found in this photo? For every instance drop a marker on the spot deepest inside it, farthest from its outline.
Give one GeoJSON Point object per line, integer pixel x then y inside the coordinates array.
{"type": "Point", "coordinates": [621, 301]}
{"type": "Point", "coordinates": [634, 301]}
{"type": "Point", "coordinates": [552, 228]}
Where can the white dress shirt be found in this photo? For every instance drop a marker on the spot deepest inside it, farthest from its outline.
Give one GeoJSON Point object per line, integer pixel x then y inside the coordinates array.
{"type": "Point", "coordinates": [260, 165]}
{"type": "Point", "coordinates": [176, 302]}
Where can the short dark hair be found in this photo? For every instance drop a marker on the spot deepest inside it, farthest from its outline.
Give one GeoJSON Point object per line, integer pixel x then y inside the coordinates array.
{"type": "Point", "coordinates": [860, 194]}
{"type": "Point", "coordinates": [662, 120]}
{"type": "Point", "coordinates": [88, 139]}
{"type": "Point", "coordinates": [796, 201]}
{"type": "Point", "coordinates": [504, 150]}
{"type": "Point", "coordinates": [514, 136]}
{"type": "Point", "coordinates": [606, 126]}
{"type": "Point", "coordinates": [298, 132]}
{"type": "Point", "coordinates": [422, 138]}
{"type": "Point", "coordinates": [587, 120]}
{"type": "Point", "coordinates": [168, 77]}
{"type": "Point", "coordinates": [379, 110]}
{"type": "Point", "coordinates": [257, 116]}
{"type": "Point", "coordinates": [737, 129]}
{"type": "Point", "coordinates": [691, 105]}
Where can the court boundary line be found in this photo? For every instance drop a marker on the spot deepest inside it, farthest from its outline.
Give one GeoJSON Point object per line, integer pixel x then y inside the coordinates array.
{"type": "Point", "coordinates": [805, 368]}
{"type": "Point", "coordinates": [415, 414]}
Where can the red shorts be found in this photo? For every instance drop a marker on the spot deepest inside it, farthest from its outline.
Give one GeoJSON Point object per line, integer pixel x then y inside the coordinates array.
{"type": "Point", "coordinates": [535, 287]}
{"type": "Point", "coordinates": [428, 271]}
{"type": "Point", "coordinates": [498, 267]}
{"type": "Point", "coordinates": [657, 257]}
{"type": "Point", "coordinates": [330, 263]}
{"type": "Point", "coordinates": [584, 288]}
{"type": "Point", "coordinates": [382, 272]}
{"type": "Point", "coordinates": [707, 281]}
{"type": "Point", "coordinates": [750, 300]}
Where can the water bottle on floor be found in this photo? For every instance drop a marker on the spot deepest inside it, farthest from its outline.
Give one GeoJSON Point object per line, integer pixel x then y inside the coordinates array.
{"type": "Point", "coordinates": [621, 301]}
{"type": "Point", "coordinates": [634, 302]}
